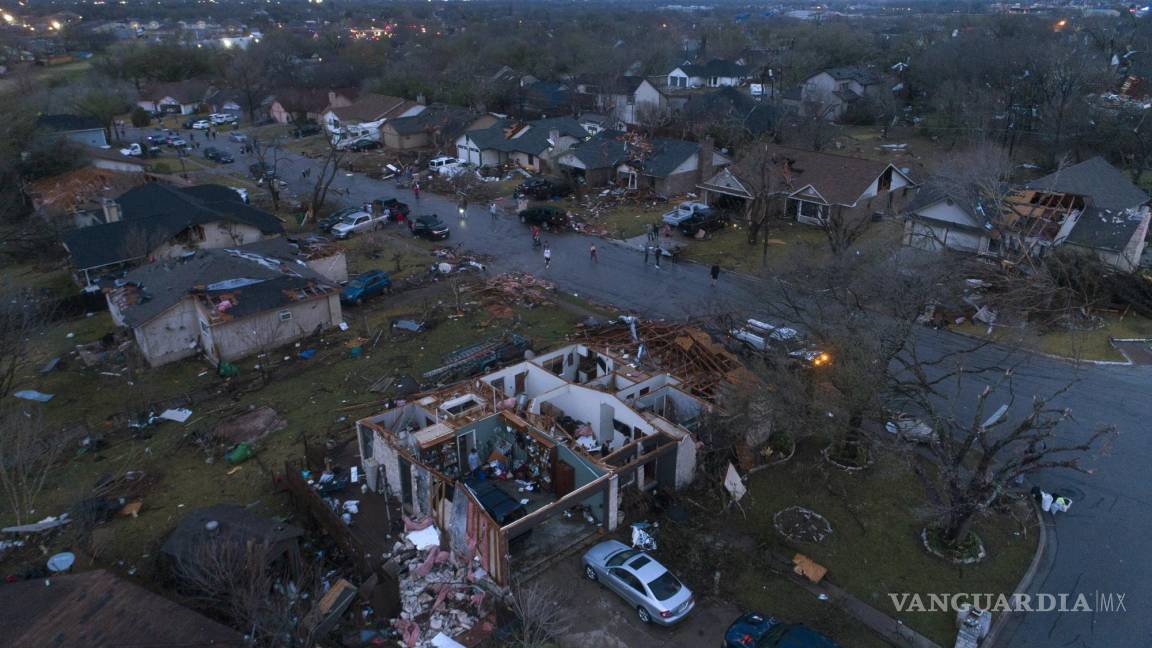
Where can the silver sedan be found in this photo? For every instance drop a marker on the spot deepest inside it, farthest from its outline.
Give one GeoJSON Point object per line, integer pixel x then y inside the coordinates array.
{"type": "Point", "coordinates": [644, 583]}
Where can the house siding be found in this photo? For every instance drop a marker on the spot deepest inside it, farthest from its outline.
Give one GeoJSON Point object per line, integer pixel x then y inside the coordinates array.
{"type": "Point", "coordinates": [236, 339]}
{"type": "Point", "coordinates": [173, 335]}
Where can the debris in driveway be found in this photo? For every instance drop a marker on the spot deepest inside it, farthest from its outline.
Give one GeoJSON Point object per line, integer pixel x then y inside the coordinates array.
{"type": "Point", "coordinates": [801, 525]}
{"type": "Point", "coordinates": [250, 426]}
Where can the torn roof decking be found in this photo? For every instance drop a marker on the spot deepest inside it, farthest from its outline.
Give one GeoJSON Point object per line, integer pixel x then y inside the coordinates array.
{"type": "Point", "coordinates": [1040, 214]}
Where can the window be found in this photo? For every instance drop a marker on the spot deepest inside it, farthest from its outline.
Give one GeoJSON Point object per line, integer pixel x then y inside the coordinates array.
{"type": "Point", "coordinates": [644, 391]}
{"type": "Point", "coordinates": [803, 209]}
{"type": "Point", "coordinates": [639, 562]}
{"type": "Point", "coordinates": [628, 579]}
{"type": "Point", "coordinates": [285, 315]}
{"type": "Point", "coordinates": [619, 558]}
{"type": "Point", "coordinates": [665, 587]}
{"type": "Point", "coordinates": [366, 443]}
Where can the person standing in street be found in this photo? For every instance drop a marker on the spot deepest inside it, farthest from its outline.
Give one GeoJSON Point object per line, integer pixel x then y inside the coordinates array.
{"type": "Point", "coordinates": [715, 272]}
{"type": "Point", "coordinates": [416, 190]}
{"type": "Point", "coordinates": [547, 255]}
{"type": "Point", "coordinates": [492, 211]}
{"type": "Point", "coordinates": [647, 251]}
{"type": "Point", "coordinates": [657, 251]}
{"type": "Point", "coordinates": [592, 253]}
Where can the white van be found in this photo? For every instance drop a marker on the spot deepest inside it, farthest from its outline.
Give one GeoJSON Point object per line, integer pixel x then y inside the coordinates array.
{"type": "Point", "coordinates": [444, 165]}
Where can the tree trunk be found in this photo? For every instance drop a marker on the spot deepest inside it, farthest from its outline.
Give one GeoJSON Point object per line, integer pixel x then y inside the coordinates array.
{"type": "Point", "coordinates": [959, 524]}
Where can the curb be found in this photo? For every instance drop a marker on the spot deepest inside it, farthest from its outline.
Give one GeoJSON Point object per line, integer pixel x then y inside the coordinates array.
{"type": "Point", "coordinates": [1010, 617]}
{"type": "Point", "coordinates": [1101, 363]}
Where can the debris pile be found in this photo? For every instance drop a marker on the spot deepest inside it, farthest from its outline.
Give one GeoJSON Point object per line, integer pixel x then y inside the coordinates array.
{"type": "Point", "coordinates": [518, 288]}
{"type": "Point", "coordinates": [687, 352]}
{"type": "Point", "coordinates": [440, 595]}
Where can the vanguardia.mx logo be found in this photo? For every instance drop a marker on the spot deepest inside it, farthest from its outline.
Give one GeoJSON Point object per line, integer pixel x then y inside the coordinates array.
{"type": "Point", "coordinates": [1112, 602]}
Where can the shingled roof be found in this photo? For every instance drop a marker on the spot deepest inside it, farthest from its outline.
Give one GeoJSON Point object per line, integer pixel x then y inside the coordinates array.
{"type": "Point", "coordinates": [449, 120]}
{"type": "Point", "coordinates": [840, 179]}
{"type": "Point", "coordinates": [1105, 229]}
{"type": "Point", "coordinates": [156, 212]}
{"type": "Point", "coordinates": [96, 609]}
{"type": "Point", "coordinates": [64, 123]}
{"type": "Point", "coordinates": [716, 68]}
{"type": "Point", "coordinates": [373, 107]}
{"type": "Point", "coordinates": [853, 73]}
{"type": "Point", "coordinates": [532, 138]}
{"type": "Point", "coordinates": [255, 283]}
{"type": "Point", "coordinates": [1106, 185]}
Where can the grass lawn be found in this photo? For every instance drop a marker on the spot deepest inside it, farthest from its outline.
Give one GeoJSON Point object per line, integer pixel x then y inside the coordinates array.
{"type": "Point", "coordinates": [876, 517]}
{"type": "Point", "coordinates": [729, 247]}
{"type": "Point", "coordinates": [1080, 345]}
{"type": "Point", "coordinates": [32, 276]}
{"type": "Point", "coordinates": [626, 221]}
{"type": "Point", "coordinates": [313, 395]}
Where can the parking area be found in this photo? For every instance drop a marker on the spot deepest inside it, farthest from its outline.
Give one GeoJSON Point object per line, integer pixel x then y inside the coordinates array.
{"type": "Point", "coordinates": [603, 619]}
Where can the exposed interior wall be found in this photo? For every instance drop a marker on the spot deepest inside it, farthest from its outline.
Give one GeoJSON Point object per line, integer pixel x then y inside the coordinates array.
{"type": "Point", "coordinates": [537, 381]}
{"type": "Point", "coordinates": [586, 473]}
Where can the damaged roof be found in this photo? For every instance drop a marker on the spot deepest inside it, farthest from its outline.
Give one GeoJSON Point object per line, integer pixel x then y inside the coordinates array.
{"type": "Point", "coordinates": [155, 212]}
{"type": "Point", "coordinates": [96, 609]}
{"type": "Point", "coordinates": [665, 156]}
{"type": "Point", "coordinates": [1103, 229]}
{"type": "Point", "coordinates": [1106, 185]}
{"type": "Point", "coordinates": [602, 150]}
{"type": "Point", "coordinates": [853, 73]}
{"type": "Point", "coordinates": [530, 137]}
{"type": "Point", "coordinates": [234, 524]}
{"type": "Point", "coordinates": [451, 120]}
{"type": "Point", "coordinates": [249, 283]}
{"type": "Point", "coordinates": [66, 123]}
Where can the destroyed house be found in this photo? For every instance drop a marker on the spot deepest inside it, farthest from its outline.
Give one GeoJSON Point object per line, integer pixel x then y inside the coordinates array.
{"type": "Point", "coordinates": [226, 304]}
{"type": "Point", "coordinates": [517, 464]}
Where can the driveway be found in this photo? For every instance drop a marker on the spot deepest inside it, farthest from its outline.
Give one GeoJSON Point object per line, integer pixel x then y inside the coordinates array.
{"type": "Point", "coordinates": [1102, 541]}
{"type": "Point", "coordinates": [602, 619]}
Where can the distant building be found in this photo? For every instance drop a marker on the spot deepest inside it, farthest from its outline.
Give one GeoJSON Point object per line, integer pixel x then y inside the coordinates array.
{"type": "Point", "coordinates": [830, 94]}
{"type": "Point", "coordinates": [530, 145]}
{"type": "Point", "coordinates": [713, 74]}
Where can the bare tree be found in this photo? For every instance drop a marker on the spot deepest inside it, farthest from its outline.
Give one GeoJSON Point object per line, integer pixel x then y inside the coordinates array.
{"type": "Point", "coordinates": [268, 162]}
{"type": "Point", "coordinates": [325, 175]}
{"type": "Point", "coordinates": [247, 74]}
{"type": "Point", "coordinates": [543, 613]}
{"type": "Point", "coordinates": [29, 450]}
{"type": "Point", "coordinates": [973, 460]}
{"type": "Point", "coordinates": [260, 595]}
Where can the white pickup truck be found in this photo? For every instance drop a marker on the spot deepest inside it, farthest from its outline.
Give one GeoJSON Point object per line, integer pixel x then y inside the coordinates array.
{"type": "Point", "coordinates": [357, 221]}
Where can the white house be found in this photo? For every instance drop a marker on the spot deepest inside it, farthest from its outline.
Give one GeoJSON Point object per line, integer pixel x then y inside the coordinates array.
{"type": "Point", "coordinates": [713, 74]}
{"type": "Point", "coordinates": [531, 145]}
{"type": "Point", "coordinates": [183, 97]}
{"type": "Point", "coordinates": [830, 93]}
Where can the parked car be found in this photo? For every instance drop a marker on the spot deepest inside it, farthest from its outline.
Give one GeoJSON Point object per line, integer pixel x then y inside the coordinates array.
{"type": "Point", "coordinates": [365, 286]}
{"type": "Point", "coordinates": [237, 137]}
{"type": "Point", "coordinates": [223, 118]}
{"type": "Point", "coordinates": [177, 142]}
{"type": "Point", "coordinates": [394, 207]}
{"type": "Point", "coordinates": [762, 631]}
{"type": "Point", "coordinates": [545, 216]}
{"type": "Point", "coordinates": [187, 122]}
{"type": "Point", "coordinates": [306, 130]}
{"type": "Point", "coordinates": [359, 221]}
{"type": "Point", "coordinates": [202, 124]}
{"type": "Point", "coordinates": [779, 341]}
{"type": "Point", "coordinates": [218, 155]}
{"type": "Point", "coordinates": [362, 145]}
{"type": "Point", "coordinates": [708, 220]}
{"type": "Point", "coordinates": [135, 150]}
{"type": "Point", "coordinates": [683, 212]}
{"type": "Point", "coordinates": [641, 581]}
{"type": "Point", "coordinates": [543, 188]}
{"type": "Point", "coordinates": [157, 139]}
{"type": "Point", "coordinates": [429, 227]}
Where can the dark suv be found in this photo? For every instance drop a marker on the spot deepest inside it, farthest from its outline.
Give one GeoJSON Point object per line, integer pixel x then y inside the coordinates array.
{"type": "Point", "coordinates": [394, 207]}
{"type": "Point", "coordinates": [549, 218]}
{"type": "Point", "coordinates": [429, 227]}
{"type": "Point", "coordinates": [543, 188]}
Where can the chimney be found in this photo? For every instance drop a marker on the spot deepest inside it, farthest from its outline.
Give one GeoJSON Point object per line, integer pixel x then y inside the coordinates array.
{"type": "Point", "coordinates": [111, 210]}
{"type": "Point", "coordinates": [420, 99]}
{"type": "Point", "coordinates": [554, 137]}
{"type": "Point", "coordinates": [704, 163]}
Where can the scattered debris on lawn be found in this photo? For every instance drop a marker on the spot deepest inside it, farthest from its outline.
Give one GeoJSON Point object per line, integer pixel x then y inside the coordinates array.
{"type": "Point", "coordinates": [518, 288]}
{"type": "Point", "coordinates": [468, 360]}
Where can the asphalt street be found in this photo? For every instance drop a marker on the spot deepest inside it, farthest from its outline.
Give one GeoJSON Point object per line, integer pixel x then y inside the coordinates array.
{"type": "Point", "coordinates": [1097, 547]}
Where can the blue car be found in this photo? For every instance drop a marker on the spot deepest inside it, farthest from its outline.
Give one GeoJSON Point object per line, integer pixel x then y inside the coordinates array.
{"type": "Point", "coordinates": [760, 631]}
{"type": "Point", "coordinates": [365, 286]}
